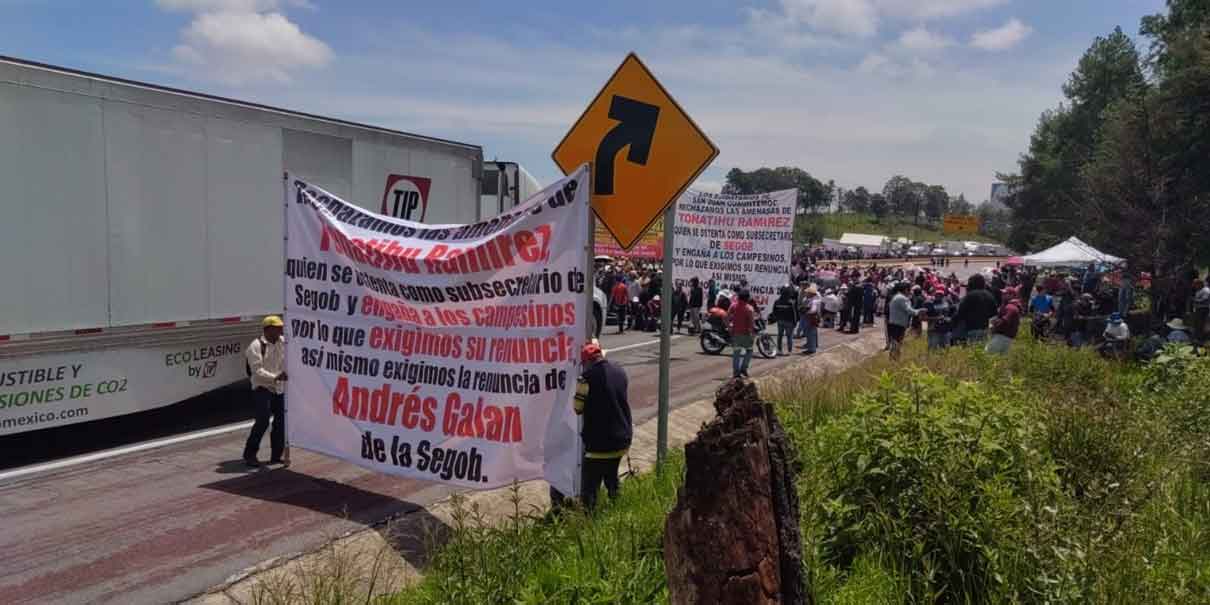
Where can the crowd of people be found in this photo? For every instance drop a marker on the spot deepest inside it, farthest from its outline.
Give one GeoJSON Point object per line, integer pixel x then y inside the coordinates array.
{"type": "Point", "coordinates": [1089, 306]}
{"type": "Point", "coordinates": [1086, 306]}
{"type": "Point", "coordinates": [1095, 307]}
{"type": "Point", "coordinates": [818, 295]}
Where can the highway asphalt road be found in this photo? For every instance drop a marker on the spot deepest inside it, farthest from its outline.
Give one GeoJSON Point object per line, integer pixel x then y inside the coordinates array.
{"type": "Point", "coordinates": [165, 523]}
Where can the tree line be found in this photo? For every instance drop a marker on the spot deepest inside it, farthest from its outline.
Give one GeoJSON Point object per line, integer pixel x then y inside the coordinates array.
{"type": "Point", "coordinates": [900, 196]}
{"type": "Point", "coordinates": [1122, 162]}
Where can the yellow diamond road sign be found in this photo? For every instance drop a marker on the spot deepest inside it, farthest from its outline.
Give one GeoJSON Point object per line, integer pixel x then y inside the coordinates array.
{"type": "Point", "coordinates": [644, 151]}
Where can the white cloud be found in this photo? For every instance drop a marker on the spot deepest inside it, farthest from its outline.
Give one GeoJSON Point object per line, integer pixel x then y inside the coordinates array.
{"type": "Point", "coordinates": [1002, 38]}
{"type": "Point", "coordinates": [921, 39]}
{"type": "Point", "coordinates": [934, 9]}
{"type": "Point", "coordinates": [231, 6]}
{"type": "Point", "coordinates": [915, 68]}
{"type": "Point", "coordinates": [239, 47]}
{"type": "Point", "coordinates": [858, 125]}
{"type": "Point", "coordinates": [862, 18]}
{"type": "Point", "coordinates": [849, 17]}
{"type": "Point", "coordinates": [198, 6]}
{"type": "Point", "coordinates": [240, 41]}
{"type": "Point", "coordinates": [872, 63]}
{"type": "Point", "coordinates": [785, 33]}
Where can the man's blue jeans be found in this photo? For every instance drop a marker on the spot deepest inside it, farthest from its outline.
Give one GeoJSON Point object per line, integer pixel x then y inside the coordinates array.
{"type": "Point", "coordinates": [785, 331]}
{"type": "Point", "coordinates": [938, 340]}
{"type": "Point", "coordinates": [741, 353]}
{"type": "Point", "coordinates": [812, 339]}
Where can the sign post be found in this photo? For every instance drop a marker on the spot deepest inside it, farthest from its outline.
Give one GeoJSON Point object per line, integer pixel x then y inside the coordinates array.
{"type": "Point", "coordinates": [661, 439]}
{"type": "Point", "coordinates": [644, 151]}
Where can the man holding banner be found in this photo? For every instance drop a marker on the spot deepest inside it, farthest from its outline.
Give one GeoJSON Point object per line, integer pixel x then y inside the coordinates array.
{"type": "Point", "coordinates": [266, 359]}
{"type": "Point", "coordinates": [603, 401]}
{"type": "Point", "coordinates": [445, 353]}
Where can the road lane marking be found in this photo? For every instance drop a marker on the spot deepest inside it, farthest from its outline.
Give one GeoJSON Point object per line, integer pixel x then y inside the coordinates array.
{"type": "Point", "coordinates": [121, 451]}
{"type": "Point", "coordinates": [640, 344]}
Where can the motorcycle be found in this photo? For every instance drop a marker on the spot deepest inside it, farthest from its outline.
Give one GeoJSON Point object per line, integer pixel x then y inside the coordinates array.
{"type": "Point", "coordinates": [1041, 326]}
{"type": "Point", "coordinates": [715, 337]}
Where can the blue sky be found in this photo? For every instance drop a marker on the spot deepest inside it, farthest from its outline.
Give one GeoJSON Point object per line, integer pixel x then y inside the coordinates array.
{"type": "Point", "coordinates": [944, 91]}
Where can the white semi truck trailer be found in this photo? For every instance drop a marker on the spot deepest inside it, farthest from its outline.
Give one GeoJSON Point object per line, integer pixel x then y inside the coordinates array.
{"type": "Point", "coordinates": [504, 185]}
{"type": "Point", "coordinates": [141, 235]}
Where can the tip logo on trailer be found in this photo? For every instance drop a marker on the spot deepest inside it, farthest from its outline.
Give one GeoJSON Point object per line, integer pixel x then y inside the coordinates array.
{"type": "Point", "coordinates": [406, 197]}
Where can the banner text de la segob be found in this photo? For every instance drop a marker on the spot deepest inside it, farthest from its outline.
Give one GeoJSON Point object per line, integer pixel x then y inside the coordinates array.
{"type": "Point", "coordinates": [440, 352]}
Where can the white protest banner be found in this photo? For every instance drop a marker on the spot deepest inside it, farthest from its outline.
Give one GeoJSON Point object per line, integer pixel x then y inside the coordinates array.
{"type": "Point", "coordinates": [732, 237]}
{"type": "Point", "coordinates": [438, 352]}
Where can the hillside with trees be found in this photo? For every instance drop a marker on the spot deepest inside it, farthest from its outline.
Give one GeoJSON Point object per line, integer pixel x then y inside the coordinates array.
{"type": "Point", "coordinates": [901, 208]}
{"type": "Point", "coordinates": [1122, 163]}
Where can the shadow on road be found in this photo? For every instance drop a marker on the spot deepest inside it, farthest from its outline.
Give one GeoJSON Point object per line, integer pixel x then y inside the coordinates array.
{"type": "Point", "coordinates": [284, 486]}
{"type": "Point", "coordinates": [413, 531]}
{"type": "Point", "coordinates": [237, 466]}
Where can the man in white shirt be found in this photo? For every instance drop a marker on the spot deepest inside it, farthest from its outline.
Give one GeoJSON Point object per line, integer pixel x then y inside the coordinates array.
{"type": "Point", "coordinates": [266, 358]}
{"type": "Point", "coordinates": [1116, 329]}
{"type": "Point", "coordinates": [813, 316]}
{"type": "Point", "coordinates": [633, 289]}
{"type": "Point", "coordinates": [831, 306]}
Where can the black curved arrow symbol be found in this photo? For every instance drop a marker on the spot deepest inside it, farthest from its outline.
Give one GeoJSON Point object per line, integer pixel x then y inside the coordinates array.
{"type": "Point", "coordinates": [636, 127]}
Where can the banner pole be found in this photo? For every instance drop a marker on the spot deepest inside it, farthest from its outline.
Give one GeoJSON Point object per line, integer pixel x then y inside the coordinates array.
{"type": "Point", "coordinates": [589, 290]}
{"type": "Point", "coordinates": [661, 447]}
{"type": "Point", "coordinates": [285, 290]}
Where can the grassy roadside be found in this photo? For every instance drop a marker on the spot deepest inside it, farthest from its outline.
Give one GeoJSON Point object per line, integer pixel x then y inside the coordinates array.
{"type": "Point", "coordinates": [1045, 476]}
{"type": "Point", "coordinates": [615, 557]}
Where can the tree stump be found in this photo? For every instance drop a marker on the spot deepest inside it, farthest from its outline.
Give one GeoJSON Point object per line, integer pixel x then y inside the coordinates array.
{"type": "Point", "coordinates": [733, 536]}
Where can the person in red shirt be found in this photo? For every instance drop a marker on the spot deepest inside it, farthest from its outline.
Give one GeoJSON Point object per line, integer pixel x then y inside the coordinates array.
{"type": "Point", "coordinates": [1004, 327]}
{"type": "Point", "coordinates": [743, 333]}
{"type": "Point", "coordinates": [620, 299]}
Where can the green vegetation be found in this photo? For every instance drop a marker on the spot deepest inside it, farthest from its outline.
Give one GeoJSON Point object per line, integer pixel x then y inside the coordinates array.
{"type": "Point", "coordinates": [615, 557]}
{"type": "Point", "coordinates": [1045, 476]}
{"type": "Point", "coordinates": [1120, 162]}
{"type": "Point", "coordinates": [1048, 475]}
{"type": "Point", "coordinates": [832, 226]}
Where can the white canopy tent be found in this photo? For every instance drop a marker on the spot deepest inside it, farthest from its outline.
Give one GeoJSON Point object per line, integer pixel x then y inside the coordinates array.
{"type": "Point", "coordinates": [1072, 252]}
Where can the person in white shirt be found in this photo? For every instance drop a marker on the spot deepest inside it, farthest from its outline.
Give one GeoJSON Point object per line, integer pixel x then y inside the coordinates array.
{"type": "Point", "coordinates": [726, 294]}
{"type": "Point", "coordinates": [1116, 329]}
{"type": "Point", "coordinates": [812, 314]}
{"type": "Point", "coordinates": [266, 358]}
{"type": "Point", "coordinates": [633, 290]}
{"type": "Point", "coordinates": [831, 306]}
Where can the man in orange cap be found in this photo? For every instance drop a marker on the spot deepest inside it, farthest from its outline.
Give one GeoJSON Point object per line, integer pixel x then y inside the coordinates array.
{"type": "Point", "coordinates": [601, 398]}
